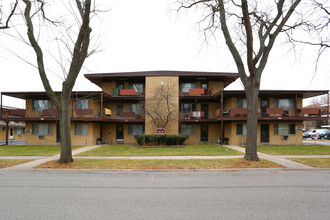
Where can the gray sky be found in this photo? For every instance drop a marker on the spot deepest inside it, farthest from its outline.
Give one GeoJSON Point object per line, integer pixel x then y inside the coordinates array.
{"type": "Point", "coordinates": [146, 35]}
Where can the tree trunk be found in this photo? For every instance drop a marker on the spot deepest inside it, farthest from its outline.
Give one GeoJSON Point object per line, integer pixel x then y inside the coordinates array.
{"type": "Point", "coordinates": [252, 122]}
{"type": "Point", "coordinates": [65, 129]}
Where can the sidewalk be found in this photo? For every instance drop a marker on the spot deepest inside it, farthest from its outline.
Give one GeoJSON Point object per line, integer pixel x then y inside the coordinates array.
{"type": "Point", "coordinates": [279, 159]}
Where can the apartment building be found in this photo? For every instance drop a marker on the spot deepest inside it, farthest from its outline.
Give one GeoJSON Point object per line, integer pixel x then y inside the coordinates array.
{"type": "Point", "coordinates": [196, 104]}
{"type": "Point", "coordinates": [10, 130]}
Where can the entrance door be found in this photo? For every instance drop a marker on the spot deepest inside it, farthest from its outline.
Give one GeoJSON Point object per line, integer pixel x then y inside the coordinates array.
{"type": "Point", "coordinates": [205, 109]}
{"type": "Point", "coordinates": [58, 133]}
{"type": "Point", "coordinates": [11, 134]}
{"type": "Point", "coordinates": [264, 135]}
{"type": "Point", "coordinates": [204, 133]}
{"type": "Point", "coordinates": [120, 133]}
{"type": "Point", "coordinates": [264, 106]}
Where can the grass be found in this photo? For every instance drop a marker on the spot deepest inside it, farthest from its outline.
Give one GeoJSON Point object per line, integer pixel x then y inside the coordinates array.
{"type": "Point", "coordinates": [30, 150]}
{"type": "Point", "coordinates": [190, 150]}
{"type": "Point", "coordinates": [314, 162]}
{"type": "Point", "coordinates": [160, 164]}
{"type": "Point", "coordinates": [294, 149]}
{"type": "Point", "coordinates": [11, 162]}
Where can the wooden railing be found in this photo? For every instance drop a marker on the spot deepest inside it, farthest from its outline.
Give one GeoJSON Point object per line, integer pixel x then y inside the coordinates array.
{"type": "Point", "coordinates": [17, 112]}
{"type": "Point", "coordinates": [84, 111]}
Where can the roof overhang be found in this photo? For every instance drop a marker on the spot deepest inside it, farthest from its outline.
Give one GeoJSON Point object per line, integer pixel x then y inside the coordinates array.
{"type": "Point", "coordinates": [226, 77]}
{"type": "Point", "coordinates": [280, 93]}
{"type": "Point", "coordinates": [43, 95]}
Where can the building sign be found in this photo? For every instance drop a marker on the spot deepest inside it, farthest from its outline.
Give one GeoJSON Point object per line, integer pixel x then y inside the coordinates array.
{"type": "Point", "coordinates": [160, 131]}
{"type": "Point", "coordinates": [299, 128]}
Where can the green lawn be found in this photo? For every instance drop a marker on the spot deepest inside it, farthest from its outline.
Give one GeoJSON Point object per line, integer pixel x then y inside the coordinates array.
{"type": "Point", "coordinates": [30, 150]}
{"type": "Point", "coordinates": [314, 162]}
{"type": "Point", "coordinates": [190, 150]}
{"type": "Point", "coordinates": [11, 162]}
{"type": "Point", "coordinates": [160, 164]}
{"type": "Point", "coordinates": [294, 149]}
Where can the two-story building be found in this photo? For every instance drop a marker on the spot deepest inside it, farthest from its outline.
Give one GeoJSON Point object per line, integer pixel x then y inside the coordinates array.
{"type": "Point", "coordinates": [10, 130]}
{"type": "Point", "coordinates": [200, 108]}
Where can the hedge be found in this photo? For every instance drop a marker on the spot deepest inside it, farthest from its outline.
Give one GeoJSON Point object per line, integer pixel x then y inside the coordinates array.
{"type": "Point", "coordinates": [152, 139]}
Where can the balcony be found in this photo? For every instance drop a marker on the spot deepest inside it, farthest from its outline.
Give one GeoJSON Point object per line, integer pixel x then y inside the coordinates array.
{"type": "Point", "coordinates": [310, 111]}
{"type": "Point", "coordinates": [196, 92]}
{"type": "Point", "coordinates": [125, 92]}
{"type": "Point", "coordinates": [192, 115]}
{"type": "Point", "coordinates": [17, 112]}
{"type": "Point", "coordinates": [234, 112]}
{"type": "Point", "coordinates": [82, 112]}
{"type": "Point", "coordinates": [50, 112]}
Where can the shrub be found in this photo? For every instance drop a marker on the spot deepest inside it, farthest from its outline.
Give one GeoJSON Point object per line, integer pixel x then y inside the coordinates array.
{"type": "Point", "coordinates": [170, 139]}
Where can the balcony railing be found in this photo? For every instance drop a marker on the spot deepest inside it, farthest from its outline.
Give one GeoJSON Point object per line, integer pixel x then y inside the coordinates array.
{"type": "Point", "coordinates": [270, 112]}
{"type": "Point", "coordinates": [17, 112]}
{"type": "Point", "coordinates": [81, 112]}
{"type": "Point", "coordinates": [238, 112]}
{"type": "Point", "coordinates": [192, 115]}
{"type": "Point", "coordinates": [125, 92]}
{"type": "Point", "coordinates": [196, 92]}
{"type": "Point", "coordinates": [50, 112]}
{"type": "Point", "coordinates": [310, 111]}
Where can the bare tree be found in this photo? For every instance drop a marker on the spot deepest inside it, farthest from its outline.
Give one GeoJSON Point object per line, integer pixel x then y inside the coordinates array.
{"type": "Point", "coordinates": [35, 10]}
{"type": "Point", "coordinates": [161, 106]}
{"type": "Point", "coordinates": [4, 18]}
{"type": "Point", "coordinates": [250, 29]}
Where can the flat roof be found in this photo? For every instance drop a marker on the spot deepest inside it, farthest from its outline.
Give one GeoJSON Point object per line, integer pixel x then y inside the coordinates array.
{"type": "Point", "coordinates": [98, 78]}
{"type": "Point", "coordinates": [227, 93]}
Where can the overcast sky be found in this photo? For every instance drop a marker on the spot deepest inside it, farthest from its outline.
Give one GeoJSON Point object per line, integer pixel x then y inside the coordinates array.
{"type": "Point", "coordinates": [147, 35]}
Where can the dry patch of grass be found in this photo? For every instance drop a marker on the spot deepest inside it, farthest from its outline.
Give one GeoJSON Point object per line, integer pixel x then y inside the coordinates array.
{"type": "Point", "coordinates": [11, 162]}
{"type": "Point", "coordinates": [160, 164]}
{"type": "Point", "coordinates": [314, 162]}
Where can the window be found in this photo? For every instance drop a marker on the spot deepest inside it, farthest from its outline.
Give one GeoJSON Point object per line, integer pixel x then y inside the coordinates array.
{"type": "Point", "coordinates": [241, 103]}
{"type": "Point", "coordinates": [138, 87]}
{"type": "Point", "coordinates": [20, 131]}
{"type": "Point", "coordinates": [186, 108]}
{"type": "Point", "coordinates": [284, 103]}
{"type": "Point", "coordinates": [204, 85]}
{"type": "Point", "coordinates": [136, 108]}
{"type": "Point", "coordinates": [241, 129]}
{"type": "Point", "coordinates": [284, 129]}
{"type": "Point", "coordinates": [120, 108]}
{"type": "Point", "coordinates": [42, 129]}
{"type": "Point", "coordinates": [188, 129]}
{"type": "Point", "coordinates": [39, 105]}
{"type": "Point", "coordinates": [81, 104]}
{"type": "Point", "coordinates": [135, 129]}
{"type": "Point", "coordinates": [120, 85]}
{"type": "Point", "coordinates": [186, 86]}
{"type": "Point", "coordinates": [81, 129]}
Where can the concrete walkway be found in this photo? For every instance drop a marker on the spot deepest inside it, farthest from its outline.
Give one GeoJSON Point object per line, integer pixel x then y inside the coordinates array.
{"type": "Point", "coordinates": [279, 159]}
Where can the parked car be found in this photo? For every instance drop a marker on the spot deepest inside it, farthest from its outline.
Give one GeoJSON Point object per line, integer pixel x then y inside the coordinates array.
{"type": "Point", "coordinates": [323, 133]}
{"type": "Point", "coordinates": [312, 133]}
{"type": "Point", "coordinates": [306, 135]}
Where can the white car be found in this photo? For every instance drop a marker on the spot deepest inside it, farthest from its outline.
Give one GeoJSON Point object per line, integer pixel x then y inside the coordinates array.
{"type": "Point", "coordinates": [313, 133]}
